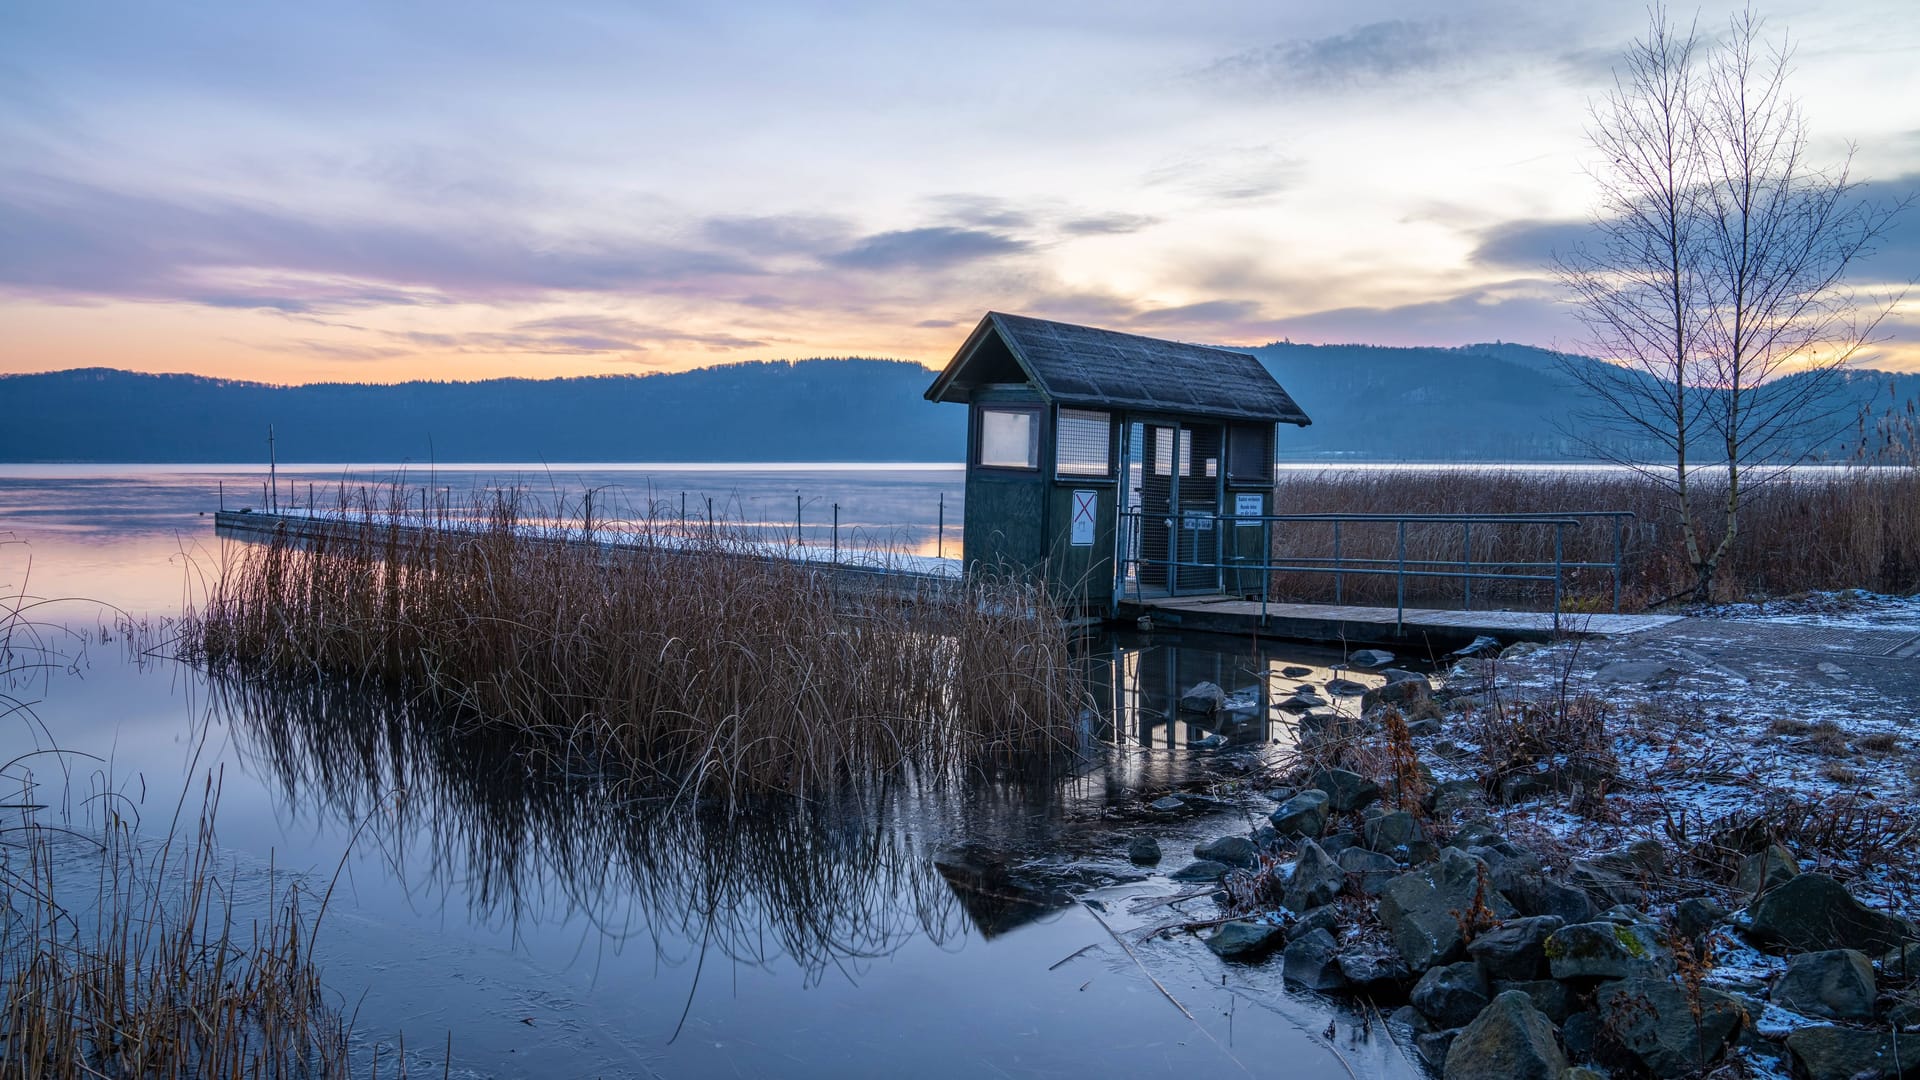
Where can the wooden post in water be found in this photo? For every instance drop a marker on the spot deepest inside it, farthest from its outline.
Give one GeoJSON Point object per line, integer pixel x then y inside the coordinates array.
{"type": "Point", "coordinates": [836, 532]}
{"type": "Point", "coordinates": [273, 474]}
{"type": "Point", "coordinates": [940, 530]}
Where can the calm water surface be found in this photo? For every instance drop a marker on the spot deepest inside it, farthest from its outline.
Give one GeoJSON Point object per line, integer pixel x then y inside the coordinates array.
{"type": "Point", "coordinates": [568, 931]}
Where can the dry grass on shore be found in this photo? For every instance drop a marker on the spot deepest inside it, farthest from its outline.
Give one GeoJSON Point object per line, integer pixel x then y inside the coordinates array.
{"type": "Point", "coordinates": [683, 659]}
{"type": "Point", "coordinates": [1810, 530]}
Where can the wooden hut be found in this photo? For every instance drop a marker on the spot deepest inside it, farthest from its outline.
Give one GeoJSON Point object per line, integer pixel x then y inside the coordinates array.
{"type": "Point", "coordinates": [1115, 462]}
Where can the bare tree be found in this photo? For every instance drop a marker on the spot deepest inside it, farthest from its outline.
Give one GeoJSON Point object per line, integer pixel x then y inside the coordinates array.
{"type": "Point", "coordinates": [1716, 286]}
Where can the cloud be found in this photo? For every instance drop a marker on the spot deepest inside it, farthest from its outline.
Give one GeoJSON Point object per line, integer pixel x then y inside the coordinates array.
{"type": "Point", "coordinates": [1107, 224]}
{"type": "Point", "coordinates": [1230, 173]}
{"type": "Point", "coordinates": [935, 324]}
{"type": "Point", "coordinates": [1530, 245]}
{"type": "Point", "coordinates": [931, 248]}
{"type": "Point", "coordinates": [1525, 309]}
{"type": "Point", "coordinates": [70, 238]}
{"type": "Point", "coordinates": [574, 335]}
{"type": "Point", "coordinates": [1205, 313]}
{"type": "Point", "coordinates": [1367, 54]}
{"type": "Point", "coordinates": [780, 234]}
{"type": "Point", "coordinates": [985, 211]}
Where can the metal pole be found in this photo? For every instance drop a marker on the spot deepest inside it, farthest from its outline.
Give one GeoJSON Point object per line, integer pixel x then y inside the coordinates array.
{"type": "Point", "coordinates": [1339, 579]}
{"type": "Point", "coordinates": [1558, 530]}
{"type": "Point", "coordinates": [1400, 592]}
{"type": "Point", "coordinates": [940, 530]}
{"type": "Point", "coordinates": [273, 474]}
{"type": "Point", "coordinates": [1266, 571]}
{"type": "Point", "coordinates": [1616, 565]}
{"type": "Point", "coordinates": [1466, 557]}
{"type": "Point", "coordinates": [683, 510]}
{"type": "Point", "coordinates": [796, 519]}
{"type": "Point", "coordinates": [711, 531]}
{"type": "Point", "coordinates": [223, 494]}
{"type": "Point", "coordinates": [836, 532]}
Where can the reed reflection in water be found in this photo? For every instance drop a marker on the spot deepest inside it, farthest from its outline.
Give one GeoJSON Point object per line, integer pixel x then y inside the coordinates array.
{"type": "Point", "coordinates": [481, 813]}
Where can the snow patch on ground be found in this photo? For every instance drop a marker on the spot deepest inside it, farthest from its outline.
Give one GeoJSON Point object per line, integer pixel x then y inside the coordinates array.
{"type": "Point", "coordinates": [1847, 609]}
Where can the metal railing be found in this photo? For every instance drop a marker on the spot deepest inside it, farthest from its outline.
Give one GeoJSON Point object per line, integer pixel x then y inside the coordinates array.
{"type": "Point", "coordinates": [1466, 569]}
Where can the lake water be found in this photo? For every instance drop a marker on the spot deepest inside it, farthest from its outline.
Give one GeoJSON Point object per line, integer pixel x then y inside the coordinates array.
{"type": "Point", "coordinates": [553, 933]}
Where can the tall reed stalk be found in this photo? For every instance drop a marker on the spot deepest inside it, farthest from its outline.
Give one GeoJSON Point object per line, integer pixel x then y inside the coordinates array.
{"type": "Point", "coordinates": [684, 655]}
{"type": "Point", "coordinates": [1829, 528]}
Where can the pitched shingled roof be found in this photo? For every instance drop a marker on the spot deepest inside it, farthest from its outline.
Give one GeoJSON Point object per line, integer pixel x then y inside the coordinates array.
{"type": "Point", "coordinates": [1082, 365]}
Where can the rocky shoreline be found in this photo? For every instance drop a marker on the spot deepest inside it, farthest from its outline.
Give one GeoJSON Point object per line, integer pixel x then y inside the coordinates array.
{"type": "Point", "coordinates": [1416, 861]}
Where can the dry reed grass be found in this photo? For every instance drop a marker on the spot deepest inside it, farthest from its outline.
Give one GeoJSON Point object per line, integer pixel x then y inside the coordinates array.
{"type": "Point", "coordinates": [1814, 529]}
{"type": "Point", "coordinates": [675, 656]}
{"type": "Point", "coordinates": [151, 976]}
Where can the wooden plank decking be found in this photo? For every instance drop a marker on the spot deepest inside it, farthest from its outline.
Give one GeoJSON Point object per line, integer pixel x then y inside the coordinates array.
{"type": "Point", "coordinates": [1375, 625]}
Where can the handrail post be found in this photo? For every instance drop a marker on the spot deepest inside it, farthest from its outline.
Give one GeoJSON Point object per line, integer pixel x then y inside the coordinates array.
{"type": "Point", "coordinates": [1339, 579]}
{"type": "Point", "coordinates": [1266, 565]}
{"type": "Point", "coordinates": [1616, 564]}
{"type": "Point", "coordinates": [1400, 578]}
{"type": "Point", "coordinates": [1559, 535]}
{"type": "Point", "coordinates": [1466, 558]}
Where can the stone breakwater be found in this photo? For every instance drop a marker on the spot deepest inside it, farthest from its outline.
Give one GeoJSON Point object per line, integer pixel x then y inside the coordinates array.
{"type": "Point", "coordinates": [1500, 955]}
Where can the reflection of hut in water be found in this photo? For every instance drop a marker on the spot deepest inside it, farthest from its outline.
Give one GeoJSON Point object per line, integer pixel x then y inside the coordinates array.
{"type": "Point", "coordinates": [994, 898]}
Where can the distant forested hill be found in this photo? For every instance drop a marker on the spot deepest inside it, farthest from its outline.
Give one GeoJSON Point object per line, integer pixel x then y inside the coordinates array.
{"type": "Point", "coordinates": [1498, 402]}
{"type": "Point", "coordinates": [808, 410]}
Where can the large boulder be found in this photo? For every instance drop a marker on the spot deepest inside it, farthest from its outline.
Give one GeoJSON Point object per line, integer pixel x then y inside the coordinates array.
{"type": "Point", "coordinates": [1405, 694]}
{"type": "Point", "coordinates": [1201, 870]}
{"type": "Point", "coordinates": [1653, 1021]}
{"type": "Point", "coordinates": [1423, 911]}
{"type": "Point", "coordinates": [1836, 984]}
{"type": "Point", "coordinates": [1550, 996]}
{"type": "Point", "coordinates": [1607, 950]}
{"type": "Point", "coordinates": [1346, 791]}
{"type": "Point", "coordinates": [1367, 871]}
{"type": "Point", "coordinates": [1837, 1053]}
{"type": "Point", "coordinates": [1372, 971]}
{"type": "Point", "coordinates": [1456, 796]}
{"type": "Point", "coordinates": [1204, 699]}
{"type": "Point", "coordinates": [1812, 911]}
{"type": "Point", "coordinates": [1313, 960]}
{"type": "Point", "coordinates": [1511, 1040]}
{"type": "Point", "coordinates": [1517, 949]}
{"type": "Point", "coordinates": [1391, 833]}
{"type": "Point", "coordinates": [1450, 995]}
{"type": "Point", "coordinates": [1621, 877]}
{"type": "Point", "coordinates": [1143, 851]}
{"type": "Point", "coordinates": [1245, 939]}
{"type": "Point", "coordinates": [1538, 894]}
{"type": "Point", "coordinates": [1232, 850]}
{"type": "Point", "coordinates": [1764, 869]}
{"type": "Point", "coordinates": [1316, 879]}
{"type": "Point", "coordinates": [1303, 815]}
{"type": "Point", "coordinates": [1370, 658]}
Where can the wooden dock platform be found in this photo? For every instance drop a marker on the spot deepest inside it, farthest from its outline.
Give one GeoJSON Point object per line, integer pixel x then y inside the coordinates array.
{"type": "Point", "coordinates": [889, 570]}
{"type": "Point", "coordinates": [1375, 625]}
{"type": "Point", "coordinates": [1212, 614]}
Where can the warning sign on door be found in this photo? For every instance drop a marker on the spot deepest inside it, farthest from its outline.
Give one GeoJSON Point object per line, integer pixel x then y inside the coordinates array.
{"type": "Point", "coordinates": [1247, 509]}
{"type": "Point", "coordinates": [1086, 509]}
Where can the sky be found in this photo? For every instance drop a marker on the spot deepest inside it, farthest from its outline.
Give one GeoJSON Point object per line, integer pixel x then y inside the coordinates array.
{"type": "Point", "coordinates": [375, 192]}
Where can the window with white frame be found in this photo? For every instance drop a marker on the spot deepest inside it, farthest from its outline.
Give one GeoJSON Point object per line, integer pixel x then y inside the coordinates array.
{"type": "Point", "coordinates": [1009, 438]}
